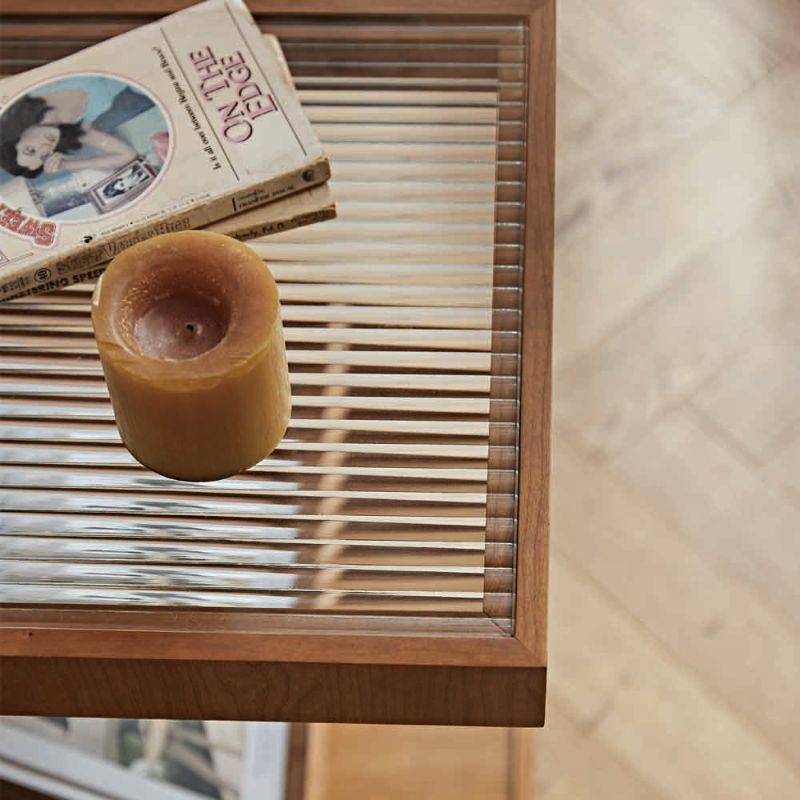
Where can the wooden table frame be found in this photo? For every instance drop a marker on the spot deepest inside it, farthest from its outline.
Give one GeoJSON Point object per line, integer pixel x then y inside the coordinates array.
{"type": "Point", "coordinates": [365, 669]}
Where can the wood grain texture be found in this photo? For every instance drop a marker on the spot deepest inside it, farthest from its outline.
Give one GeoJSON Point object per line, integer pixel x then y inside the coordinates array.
{"type": "Point", "coordinates": [534, 450]}
{"type": "Point", "coordinates": [717, 610]}
{"type": "Point", "coordinates": [676, 450]}
{"type": "Point", "coordinates": [521, 764]}
{"type": "Point", "coordinates": [343, 646]}
{"type": "Point", "coordinates": [782, 467]}
{"type": "Point", "coordinates": [713, 327]}
{"type": "Point", "coordinates": [357, 693]}
{"type": "Point", "coordinates": [392, 763]}
{"type": "Point", "coordinates": [633, 693]}
{"type": "Point", "coordinates": [760, 426]}
{"type": "Point", "coordinates": [574, 763]}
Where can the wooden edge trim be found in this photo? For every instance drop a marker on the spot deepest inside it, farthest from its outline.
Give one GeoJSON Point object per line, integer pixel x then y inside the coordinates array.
{"type": "Point", "coordinates": [311, 692]}
{"type": "Point", "coordinates": [329, 7]}
{"type": "Point", "coordinates": [220, 646]}
{"type": "Point", "coordinates": [534, 456]}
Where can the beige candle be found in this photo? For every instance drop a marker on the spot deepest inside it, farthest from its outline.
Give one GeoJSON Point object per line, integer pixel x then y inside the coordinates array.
{"type": "Point", "coordinates": [189, 332]}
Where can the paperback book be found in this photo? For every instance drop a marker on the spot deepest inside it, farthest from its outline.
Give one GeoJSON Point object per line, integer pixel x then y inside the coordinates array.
{"type": "Point", "coordinates": [183, 123]}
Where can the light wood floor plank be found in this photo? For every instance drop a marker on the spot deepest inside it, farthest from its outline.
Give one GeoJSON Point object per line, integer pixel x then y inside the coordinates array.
{"type": "Point", "coordinates": [384, 762]}
{"type": "Point", "coordinates": [604, 44]}
{"type": "Point", "coordinates": [723, 507]}
{"type": "Point", "coordinates": [682, 207]}
{"type": "Point", "coordinates": [652, 713]}
{"type": "Point", "coordinates": [573, 763]}
{"type": "Point", "coordinates": [783, 468]}
{"type": "Point", "coordinates": [775, 23]}
{"type": "Point", "coordinates": [712, 622]}
{"type": "Point", "coordinates": [693, 329]}
{"type": "Point", "coordinates": [755, 399]}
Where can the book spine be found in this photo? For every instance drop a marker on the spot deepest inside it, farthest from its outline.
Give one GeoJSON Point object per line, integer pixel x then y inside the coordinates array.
{"type": "Point", "coordinates": [244, 233]}
{"type": "Point", "coordinates": [88, 262]}
{"type": "Point", "coordinates": [277, 226]}
{"type": "Point", "coordinates": [305, 177]}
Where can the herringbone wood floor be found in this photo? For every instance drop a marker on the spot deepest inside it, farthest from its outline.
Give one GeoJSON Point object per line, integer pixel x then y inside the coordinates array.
{"type": "Point", "coordinates": [675, 622]}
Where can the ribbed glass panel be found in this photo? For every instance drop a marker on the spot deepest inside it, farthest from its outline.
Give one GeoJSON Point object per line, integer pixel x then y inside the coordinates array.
{"type": "Point", "coordinates": [394, 490]}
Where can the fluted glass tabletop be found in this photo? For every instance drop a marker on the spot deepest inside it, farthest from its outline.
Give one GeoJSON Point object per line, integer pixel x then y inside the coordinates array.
{"type": "Point", "coordinates": [394, 489]}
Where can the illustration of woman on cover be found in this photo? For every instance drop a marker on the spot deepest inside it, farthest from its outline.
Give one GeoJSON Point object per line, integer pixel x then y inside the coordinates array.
{"type": "Point", "coordinates": [39, 132]}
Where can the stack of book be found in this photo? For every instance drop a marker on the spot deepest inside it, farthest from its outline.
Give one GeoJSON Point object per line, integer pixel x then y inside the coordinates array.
{"type": "Point", "coordinates": [189, 122]}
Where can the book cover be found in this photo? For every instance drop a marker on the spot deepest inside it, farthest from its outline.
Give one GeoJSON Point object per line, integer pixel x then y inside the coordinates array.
{"type": "Point", "coordinates": [174, 125]}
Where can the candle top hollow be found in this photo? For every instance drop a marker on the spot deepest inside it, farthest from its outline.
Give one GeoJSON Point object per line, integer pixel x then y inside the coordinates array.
{"type": "Point", "coordinates": [185, 306]}
{"type": "Point", "coordinates": [180, 326]}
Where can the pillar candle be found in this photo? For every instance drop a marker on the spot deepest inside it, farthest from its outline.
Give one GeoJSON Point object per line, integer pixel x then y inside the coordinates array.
{"type": "Point", "coordinates": [189, 332]}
